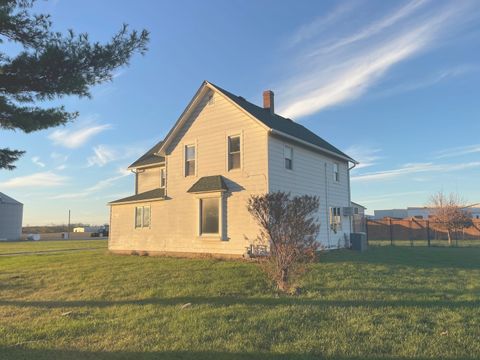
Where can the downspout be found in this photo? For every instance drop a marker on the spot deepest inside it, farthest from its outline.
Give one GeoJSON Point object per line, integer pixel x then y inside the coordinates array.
{"type": "Point", "coordinates": [327, 214]}
{"type": "Point", "coordinates": [166, 177]}
{"type": "Point", "coordinates": [134, 171]}
{"type": "Point", "coordinates": [350, 196]}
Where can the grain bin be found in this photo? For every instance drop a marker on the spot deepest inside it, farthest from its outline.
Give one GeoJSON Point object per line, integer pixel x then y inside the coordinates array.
{"type": "Point", "coordinates": [11, 214]}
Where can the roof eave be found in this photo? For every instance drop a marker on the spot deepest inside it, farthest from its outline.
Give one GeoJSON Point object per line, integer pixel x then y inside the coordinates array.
{"type": "Point", "coordinates": [178, 124]}
{"type": "Point", "coordinates": [136, 201]}
{"type": "Point", "coordinates": [145, 166]}
{"type": "Point", "coordinates": [207, 191]}
{"type": "Point", "coordinates": [306, 143]}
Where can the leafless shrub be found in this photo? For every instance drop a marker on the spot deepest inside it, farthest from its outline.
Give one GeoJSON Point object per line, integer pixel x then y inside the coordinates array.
{"type": "Point", "coordinates": [450, 212]}
{"type": "Point", "coordinates": [288, 229]}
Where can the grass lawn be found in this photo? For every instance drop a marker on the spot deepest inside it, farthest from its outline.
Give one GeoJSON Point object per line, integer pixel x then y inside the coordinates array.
{"type": "Point", "coordinates": [20, 247]}
{"type": "Point", "coordinates": [388, 303]}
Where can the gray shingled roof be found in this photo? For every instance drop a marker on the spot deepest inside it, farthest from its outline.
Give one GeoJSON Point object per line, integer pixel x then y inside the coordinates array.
{"type": "Point", "coordinates": [149, 158]}
{"type": "Point", "coordinates": [209, 183]}
{"type": "Point", "coordinates": [281, 124]}
{"type": "Point", "coordinates": [147, 195]}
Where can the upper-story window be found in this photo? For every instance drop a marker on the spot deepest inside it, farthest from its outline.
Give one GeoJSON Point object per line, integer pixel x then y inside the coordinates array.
{"type": "Point", "coordinates": [336, 174]}
{"type": "Point", "coordinates": [234, 161]}
{"type": "Point", "coordinates": [288, 154]}
{"type": "Point", "coordinates": [189, 160]}
{"type": "Point", "coordinates": [163, 177]}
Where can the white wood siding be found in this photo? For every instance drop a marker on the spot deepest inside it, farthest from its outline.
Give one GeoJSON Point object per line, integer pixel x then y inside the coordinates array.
{"type": "Point", "coordinates": [148, 179]}
{"type": "Point", "coordinates": [312, 174]}
{"type": "Point", "coordinates": [175, 220]}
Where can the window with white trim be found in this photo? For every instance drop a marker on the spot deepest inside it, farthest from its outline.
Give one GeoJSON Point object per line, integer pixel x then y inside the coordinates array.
{"type": "Point", "coordinates": [210, 216]}
{"type": "Point", "coordinates": [335, 219]}
{"type": "Point", "coordinates": [288, 154]}
{"type": "Point", "coordinates": [234, 152]}
{"type": "Point", "coordinates": [163, 177]}
{"type": "Point", "coordinates": [142, 216]}
{"type": "Point", "coordinates": [336, 174]}
{"type": "Point", "coordinates": [189, 160]}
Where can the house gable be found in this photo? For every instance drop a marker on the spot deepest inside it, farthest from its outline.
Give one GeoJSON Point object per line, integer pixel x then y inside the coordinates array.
{"type": "Point", "coordinates": [206, 93]}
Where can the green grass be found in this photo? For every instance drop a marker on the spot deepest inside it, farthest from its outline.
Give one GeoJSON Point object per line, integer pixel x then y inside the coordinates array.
{"type": "Point", "coordinates": [46, 246]}
{"type": "Point", "coordinates": [388, 303]}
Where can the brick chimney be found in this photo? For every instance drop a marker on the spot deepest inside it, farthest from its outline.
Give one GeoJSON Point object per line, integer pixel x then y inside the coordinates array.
{"type": "Point", "coordinates": [268, 102]}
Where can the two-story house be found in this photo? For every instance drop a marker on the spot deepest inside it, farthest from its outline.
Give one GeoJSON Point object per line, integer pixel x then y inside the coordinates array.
{"type": "Point", "coordinates": [191, 189]}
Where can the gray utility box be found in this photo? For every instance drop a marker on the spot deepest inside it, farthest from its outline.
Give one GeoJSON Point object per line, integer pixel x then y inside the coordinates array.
{"type": "Point", "coordinates": [359, 241]}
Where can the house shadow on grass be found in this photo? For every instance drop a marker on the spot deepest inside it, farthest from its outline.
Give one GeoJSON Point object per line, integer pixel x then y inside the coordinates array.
{"type": "Point", "coordinates": [249, 301]}
{"type": "Point", "coordinates": [414, 257]}
{"type": "Point", "coordinates": [40, 354]}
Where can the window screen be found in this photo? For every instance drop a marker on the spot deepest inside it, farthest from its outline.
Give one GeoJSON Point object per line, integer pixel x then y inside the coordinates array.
{"type": "Point", "coordinates": [288, 157]}
{"type": "Point", "coordinates": [233, 152]}
{"type": "Point", "coordinates": [189, 160]}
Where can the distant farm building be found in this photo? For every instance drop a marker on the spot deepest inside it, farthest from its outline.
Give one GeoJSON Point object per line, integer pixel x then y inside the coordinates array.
{"type": "Point", "coordinates": [420, 212]}
{"type": "Point", "coordinates": [358, 219]}
{"type": "Point", "coordinates": [82, 229]}
{"type": "Point", "coordinates": [11, 215]}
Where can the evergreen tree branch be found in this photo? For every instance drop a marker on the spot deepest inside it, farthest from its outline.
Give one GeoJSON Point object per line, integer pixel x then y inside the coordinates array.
{"type": "Point", "coordinates": [29, 119]}
{"type": "Point", "coordinates": [7, 157]}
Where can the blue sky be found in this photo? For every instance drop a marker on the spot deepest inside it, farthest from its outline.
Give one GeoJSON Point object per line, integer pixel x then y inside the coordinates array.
{"type": "Point", "coordinates": [394, 84]}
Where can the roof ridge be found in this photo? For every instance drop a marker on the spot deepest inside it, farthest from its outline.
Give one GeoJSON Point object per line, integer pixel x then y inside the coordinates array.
{"type": "Point", "coordinates": [284, 125]}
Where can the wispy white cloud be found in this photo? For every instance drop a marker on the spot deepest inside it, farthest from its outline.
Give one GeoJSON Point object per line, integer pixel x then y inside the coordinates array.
{"type": "Point", "coordinates": [431, 80]}
{"type": "Point", "coordinates": [366, 155]}
{"type": "Point", "coordinates": [100, 185]}
{"type": "Point", "coordinates": [413, 168]}
{"type": "Point", "coordinates": [103, 154]}
{"type": "Point", "coordinates": [374, 28]}
{"type": "Point", "coordinates": [59, 157]}
{"type": "Point", "coordinates": [119, 72]}
{"type": "Point", "coordinates": [335, 71]}
{"type": "Point", "coordinates": [41, 179]}
{"type": "Point", "coordinates": [36, 161]}
{"type": "Point", "coordinates": [458, 151]}
{"type": "Point", "coordinates": [76, 138]}
{"type": "Point", "coordinates": [307, 31]}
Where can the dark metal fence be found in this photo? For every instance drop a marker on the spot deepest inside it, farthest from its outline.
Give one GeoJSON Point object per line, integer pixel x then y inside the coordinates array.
{"type": "Point", "coordinates": [419, 232]}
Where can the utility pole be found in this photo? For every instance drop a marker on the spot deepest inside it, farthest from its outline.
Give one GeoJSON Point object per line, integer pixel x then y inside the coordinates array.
{"type": "Point", "coordinates": [68, 229]}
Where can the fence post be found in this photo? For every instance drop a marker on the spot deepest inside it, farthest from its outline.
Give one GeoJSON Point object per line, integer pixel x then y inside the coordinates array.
{"type": "Point", "coordinates": [410, 232]}
{"type": "Point", "coordinates": [391, 230]}
{"type": "Point", "coordinates": [366, 229]}
{"type": "Point", "coordinates": [428, 233]}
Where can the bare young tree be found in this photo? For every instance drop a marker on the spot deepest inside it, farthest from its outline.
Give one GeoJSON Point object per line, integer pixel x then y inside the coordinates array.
{"type": "Point", "coordinates": [449, 211]}
{"type": "Point", "coordinates": [288, 228]}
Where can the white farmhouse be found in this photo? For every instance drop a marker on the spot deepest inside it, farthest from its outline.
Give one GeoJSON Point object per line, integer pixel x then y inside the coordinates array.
{"type": "Point", "coordinates": [191, 188]}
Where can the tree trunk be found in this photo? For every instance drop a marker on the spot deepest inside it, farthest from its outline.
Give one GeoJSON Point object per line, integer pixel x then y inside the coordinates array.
{"type": "Point", "coordinates": [449, 237]}
{"type": "Point", "coordinates": [283, 282]}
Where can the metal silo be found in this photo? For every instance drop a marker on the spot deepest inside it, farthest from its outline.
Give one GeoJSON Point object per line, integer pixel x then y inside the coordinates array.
{"type": "Point", "coordinates": [11, 214]}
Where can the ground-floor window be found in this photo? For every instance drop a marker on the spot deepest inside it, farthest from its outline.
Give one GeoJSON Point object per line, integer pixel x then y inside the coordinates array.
{"type": "Point", "coordinates": [335, 219]}
{"type": "Point", "coordinates": [142, 216]}
{"type": "Point", "coordinates": [210, 216]}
